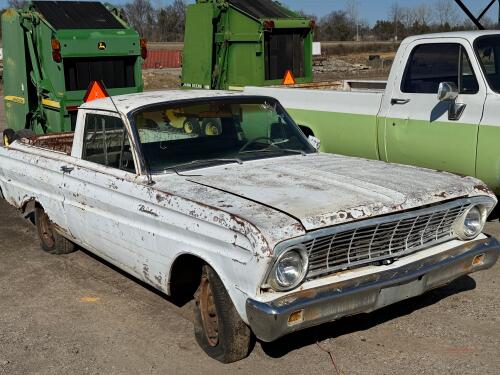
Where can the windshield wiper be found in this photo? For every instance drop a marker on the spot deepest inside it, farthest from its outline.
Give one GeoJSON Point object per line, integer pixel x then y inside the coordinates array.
{"type": "Point", "coordinates": [205, 161]}
{"type": "Point", "coordinates": [273, 148]}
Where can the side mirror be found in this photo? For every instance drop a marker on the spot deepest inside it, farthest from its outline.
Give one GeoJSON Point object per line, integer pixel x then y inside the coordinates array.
{"type": "Point", "coordinates": [448, 91]}
{"type": "Point", "coordinates": [315, 142]}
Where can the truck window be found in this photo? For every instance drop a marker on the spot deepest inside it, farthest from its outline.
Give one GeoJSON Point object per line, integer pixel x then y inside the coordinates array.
{"type": "Point", "coordinates": [217, 130]}
{"type": "Point", "coordinates": [106, 142]}
{"type": "Point", "coordinates": [431, 64]}
{"type": "Point", "coordinates": [488, 49]}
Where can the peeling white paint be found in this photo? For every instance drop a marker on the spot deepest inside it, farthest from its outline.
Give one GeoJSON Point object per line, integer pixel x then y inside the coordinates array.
{"type": "Point", "coordinates": [232, 217]}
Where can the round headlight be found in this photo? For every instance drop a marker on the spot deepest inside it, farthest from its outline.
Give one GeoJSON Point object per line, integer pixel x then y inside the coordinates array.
{"type": "Point", "coordinates": [471, 223]}
{"type": "Point", "coordinates": [289, 270]}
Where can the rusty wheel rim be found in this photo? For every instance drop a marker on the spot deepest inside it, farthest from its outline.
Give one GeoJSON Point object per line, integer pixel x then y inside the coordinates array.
{"type": "Point", "coordinates": [45, 230]}
{"type": "Point", "coordinates": [208, 312]}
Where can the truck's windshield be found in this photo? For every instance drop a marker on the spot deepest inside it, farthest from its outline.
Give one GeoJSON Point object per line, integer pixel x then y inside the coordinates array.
{"type": "Point", "coordinates": [488, 52]}
{"type": "Point", "coordinates": [216, 131]}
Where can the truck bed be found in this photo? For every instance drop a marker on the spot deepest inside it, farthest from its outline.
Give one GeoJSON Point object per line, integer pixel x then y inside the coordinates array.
{"type": "Point", "coordinates": [61, 142]}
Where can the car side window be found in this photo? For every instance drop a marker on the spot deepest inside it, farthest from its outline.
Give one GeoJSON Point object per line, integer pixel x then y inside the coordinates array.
{"type": "Point", "coordinates": [106, 142]}
{"type": "Point", "coordinates": [431, 64]}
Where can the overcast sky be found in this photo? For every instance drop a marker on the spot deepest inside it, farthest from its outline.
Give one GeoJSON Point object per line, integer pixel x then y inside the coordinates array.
{"type": "Point", "coordinates": [370, 10]}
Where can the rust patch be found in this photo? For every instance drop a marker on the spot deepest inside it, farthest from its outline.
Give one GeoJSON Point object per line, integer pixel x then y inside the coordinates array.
{"type": "Point", "coordinates": [443, 194]}
{"type": "Point", "coordinates": [62, 142]}
{"type": "Point", "coordinates": [483, 188]}
{"type": "Point", "coordinates": [160, 198]}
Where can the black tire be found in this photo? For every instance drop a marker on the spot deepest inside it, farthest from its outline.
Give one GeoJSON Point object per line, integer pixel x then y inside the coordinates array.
{"type": "Point", "coordinates": [233, 337]}
{"type": "Point", "coordinates": [9, 136]}
{"type": "Point", "coordinates": [51, 241]}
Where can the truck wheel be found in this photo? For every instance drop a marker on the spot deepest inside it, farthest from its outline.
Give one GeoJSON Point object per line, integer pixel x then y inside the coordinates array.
{"type": "Point", "coordinates": [218, 327]}
{"type": "Point", "coordinates": [9, 136]}
{"type": "Point", "coordinates": [51, 241]}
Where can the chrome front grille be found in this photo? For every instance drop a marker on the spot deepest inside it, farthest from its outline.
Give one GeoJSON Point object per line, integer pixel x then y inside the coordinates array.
{"type": "Point", "coordinates": [386, 239]}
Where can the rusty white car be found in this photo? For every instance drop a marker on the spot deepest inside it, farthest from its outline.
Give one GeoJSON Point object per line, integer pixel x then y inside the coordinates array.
{"type": "Point", "coordinates": [219, 196]}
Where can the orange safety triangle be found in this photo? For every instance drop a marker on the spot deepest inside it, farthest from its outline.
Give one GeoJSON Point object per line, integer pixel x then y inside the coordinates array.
{"type": "Point", "coordinates": [96, 91]}
{"type": "Point", "coordinates": [289, 79]}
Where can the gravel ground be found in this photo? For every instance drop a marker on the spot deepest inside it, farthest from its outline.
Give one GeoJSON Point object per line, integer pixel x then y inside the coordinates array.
{"type": "Point", "coordinates": [75, 314]}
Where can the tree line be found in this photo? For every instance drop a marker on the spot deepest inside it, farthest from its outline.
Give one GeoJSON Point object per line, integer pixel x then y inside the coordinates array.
{"type": "Point", "coordinates": [166, 23]}
{"type": "Point", "coordinates": [401, 21]}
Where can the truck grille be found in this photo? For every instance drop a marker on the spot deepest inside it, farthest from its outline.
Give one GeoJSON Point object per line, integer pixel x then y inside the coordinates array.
{"type": "Point", "coordinates": [385, 240]}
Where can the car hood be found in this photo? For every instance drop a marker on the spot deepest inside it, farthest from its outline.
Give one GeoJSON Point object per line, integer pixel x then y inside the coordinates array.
{"type": "Point", "coordinates": [320, 190]}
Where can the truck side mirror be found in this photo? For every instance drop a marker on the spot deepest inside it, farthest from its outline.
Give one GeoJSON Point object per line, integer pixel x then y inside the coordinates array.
{"type": "Point", "coordinates": [448, 92]}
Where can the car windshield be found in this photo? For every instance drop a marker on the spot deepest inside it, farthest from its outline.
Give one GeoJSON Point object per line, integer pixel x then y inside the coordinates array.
{"type": "Point", "coordinates": [216, 131]}
{"type": "Point", "coordinates": [488, 52]}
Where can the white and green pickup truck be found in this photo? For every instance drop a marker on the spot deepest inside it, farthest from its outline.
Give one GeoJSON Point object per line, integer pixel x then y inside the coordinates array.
{"type": "Point", "coordinates": [440, 108]}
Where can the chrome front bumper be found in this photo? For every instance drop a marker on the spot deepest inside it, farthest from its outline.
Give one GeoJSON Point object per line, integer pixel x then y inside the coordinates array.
{"type": "Point", "coordinates": [270, 320]}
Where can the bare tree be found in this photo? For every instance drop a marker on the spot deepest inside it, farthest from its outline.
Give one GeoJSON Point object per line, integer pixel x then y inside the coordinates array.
{"type": "Point", "coordinates": [408, 17]}
{"type": "Point", "coordinates": [446, 12]}
{"type": "Point", "coordinates": [142, 16]}
{"type": "Point", "coordinates": [395, 15]}
{"type": "Point", "coordinates": [352, 12]}
{"type": "Point", "coordinates": [423, 14]}
{"type": "Point", "coordinates": [171, 22]}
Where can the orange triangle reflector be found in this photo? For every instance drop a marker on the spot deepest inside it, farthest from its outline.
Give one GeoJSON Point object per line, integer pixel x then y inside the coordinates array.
{"type": "Point", "coordinates": [95, 91]}
{"type": "Point", "coordinates": [289, 79]}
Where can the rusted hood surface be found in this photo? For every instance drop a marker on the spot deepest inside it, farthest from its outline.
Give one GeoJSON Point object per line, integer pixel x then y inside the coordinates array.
{"type": "Point", "coordinates": [323, 189]}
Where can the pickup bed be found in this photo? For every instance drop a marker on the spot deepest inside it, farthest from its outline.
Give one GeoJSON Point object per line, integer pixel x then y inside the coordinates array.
{"type": "Point", "coordinates": [219, 197]}
{"type": "Point", "coordinates": [409, 123]}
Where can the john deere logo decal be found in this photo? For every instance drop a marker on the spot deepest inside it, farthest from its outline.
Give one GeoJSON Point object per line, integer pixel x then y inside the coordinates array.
{"type": "Point", "coordinates": [101, 46]}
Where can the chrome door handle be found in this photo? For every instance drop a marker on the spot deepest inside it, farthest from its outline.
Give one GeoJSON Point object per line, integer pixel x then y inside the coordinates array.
{"type": "Point", "coordinates": [66, 169]}
{"type": "Point", "coordinates": [399, 101]}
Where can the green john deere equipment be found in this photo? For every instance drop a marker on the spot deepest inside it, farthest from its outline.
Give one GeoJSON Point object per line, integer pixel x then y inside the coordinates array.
{"type": "Point", "coordinates": [230, 44]}
{"type": "Point", "coordinates": [52, 51]}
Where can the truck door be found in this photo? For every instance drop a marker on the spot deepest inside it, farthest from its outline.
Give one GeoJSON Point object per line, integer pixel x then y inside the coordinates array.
{"type": "Point", "coordinates": [417, 129]}
{"type": "Point", "coordinates": [99, 194]}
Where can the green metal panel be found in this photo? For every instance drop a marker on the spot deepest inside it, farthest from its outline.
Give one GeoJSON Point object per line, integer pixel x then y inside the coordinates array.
{"type": "Point", "coordinates": [15, 82]}
{"type": "Point", "coordinates": [197, 59]}
{"type": "Point", "coordinates": [341, 133]}
{"type": "Point", "coordinates": [46, 96]}
{"type": "Point", "coordinates": [488, 157]}
{"type": "Point", "coordinates": [232, 54]}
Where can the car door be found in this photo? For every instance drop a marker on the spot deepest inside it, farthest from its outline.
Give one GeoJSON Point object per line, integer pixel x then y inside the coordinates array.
{"type": "Point", "coordinates": [103, 199]}
{"type": "Point", "coordinates": [417, 129]}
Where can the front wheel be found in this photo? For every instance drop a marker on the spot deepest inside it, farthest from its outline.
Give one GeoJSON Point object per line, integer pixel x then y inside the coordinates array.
{"type": "Point", "coordinates": [51, 241]}
{"type": "Point", "coordinates": [218, 327]}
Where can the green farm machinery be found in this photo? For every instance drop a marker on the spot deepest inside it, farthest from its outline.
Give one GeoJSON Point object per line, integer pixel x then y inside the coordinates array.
{"type": "Point", "coordinates": [230, 44]}
{"type": "Point", "coordinates": [53, 50]}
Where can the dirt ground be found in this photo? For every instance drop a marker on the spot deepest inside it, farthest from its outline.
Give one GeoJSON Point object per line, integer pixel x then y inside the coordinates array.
{"type": "Point", "coordinates": [76, 314]}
